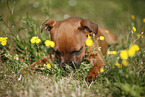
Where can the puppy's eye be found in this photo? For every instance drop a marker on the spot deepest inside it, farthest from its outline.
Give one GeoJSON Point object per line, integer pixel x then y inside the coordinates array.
{"type": "Point", "coordinates": [77, 52]}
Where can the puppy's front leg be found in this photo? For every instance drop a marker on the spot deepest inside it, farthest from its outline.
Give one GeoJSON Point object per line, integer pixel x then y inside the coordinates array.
{"type": "Point", "coordinates": [96, 59]}
{"type": "Point", "coordinates": [37, 64]}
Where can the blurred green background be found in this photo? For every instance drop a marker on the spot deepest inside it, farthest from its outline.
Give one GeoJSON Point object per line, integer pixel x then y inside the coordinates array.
{"type": "Point", "coordinates": [111, 14]}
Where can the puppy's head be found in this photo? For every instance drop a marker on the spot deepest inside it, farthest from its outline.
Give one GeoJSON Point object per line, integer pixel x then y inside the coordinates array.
{"type": "Point", "coordinates": [69, 36]}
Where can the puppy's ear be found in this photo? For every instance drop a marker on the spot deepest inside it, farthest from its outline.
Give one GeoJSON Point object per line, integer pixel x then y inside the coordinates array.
{"type": "Point", "coordinates": [89, 26]}
{"type": "Point", "coordinates": [48, 24]}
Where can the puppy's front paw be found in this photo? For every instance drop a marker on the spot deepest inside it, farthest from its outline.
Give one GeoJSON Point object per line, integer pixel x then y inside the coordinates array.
{"type": "Point", "coordinates": [91, 77]}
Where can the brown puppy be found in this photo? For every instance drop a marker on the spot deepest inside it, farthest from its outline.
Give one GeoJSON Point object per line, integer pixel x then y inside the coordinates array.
{"type": "Point", "coordinates": [69, 36]}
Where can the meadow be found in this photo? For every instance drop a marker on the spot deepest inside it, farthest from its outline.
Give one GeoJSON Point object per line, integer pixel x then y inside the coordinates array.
{"type": "Point", "coordinates": [124, 72]}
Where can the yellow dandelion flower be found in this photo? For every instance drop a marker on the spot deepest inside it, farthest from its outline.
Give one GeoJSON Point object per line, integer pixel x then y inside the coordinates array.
{"type": "Point", "coordinates": [114, 52]}
{"type": "Point", "coordinates": [48, 66]}
{"type": "Point", "coordinates": [124, 62]}
{"type": "Point", "coordinates": [101, 37]}
{"type": "Point", "coordinates": [101, 70]}
{"type": "Point", "coordinates": [3, 38]}
{"type": "Point", "coordinates": [33, 39]}
{"type": "Point", "coordinates": [136, 47]}
{"type": "Point", "coordinates": [124, 54]}
{"type": "Point", "coordinates": [49, 43]}
{"type": "Point", "coordinates": [89, 42]}
{"type": "Point", "coordinates": [37, 40]}
{"type": "Point", "coordinates": [131, 52]}
{"type": "Point", "coordinates": [132, 17]}
{"type": "Point", "coordinates": [134, 29]}
{"type": "Point", "coordinates": [119, 65]}
{"type": "Point", "coordinates": [3, 43]}
{"type": "Point", "coordinates": [52, 44]}
{"type": "Point", "coordinates": [143, 20]}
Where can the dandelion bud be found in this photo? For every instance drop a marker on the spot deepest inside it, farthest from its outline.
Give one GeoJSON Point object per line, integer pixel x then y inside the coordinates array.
{"type": "Point", "coordinates": [48, 66]}
{"type": "Point", "coordinates": [101, 70]}
{"type": "Point", "coordinates": [143, 20]}
{"type": "Point", "coordinates": [132, 17]}
{"type": "Point", "coordinates": [101, 37]}
{"type": "Point", "coordinates": [134, 29]}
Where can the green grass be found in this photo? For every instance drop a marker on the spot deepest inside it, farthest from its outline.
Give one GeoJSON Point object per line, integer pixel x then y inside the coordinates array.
{"type": "Point", "coordinates": [20, 21]}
